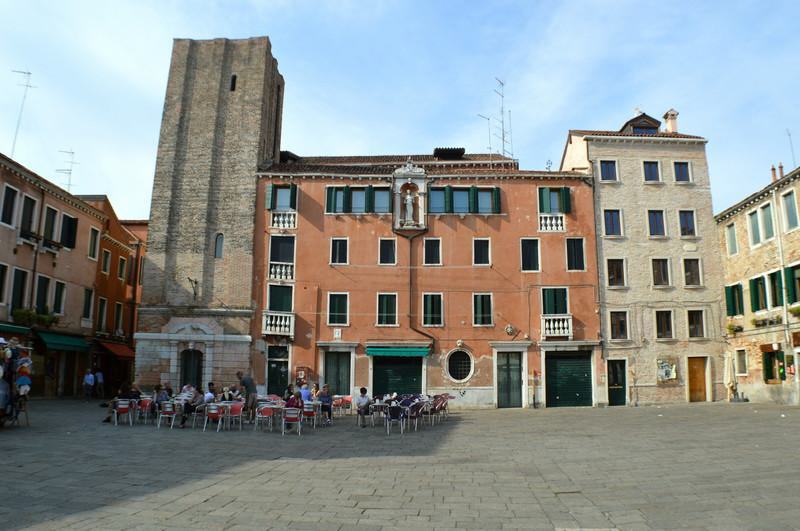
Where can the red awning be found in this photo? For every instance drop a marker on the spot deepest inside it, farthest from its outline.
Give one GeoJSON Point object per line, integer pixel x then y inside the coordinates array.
{"type": "Point", "coordinates": [118, 349]}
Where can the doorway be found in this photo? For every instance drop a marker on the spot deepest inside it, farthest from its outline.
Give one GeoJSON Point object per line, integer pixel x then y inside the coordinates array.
{"type": "Point", "coordinates": [401, 375]}
{"type": "Point", "coordinates": [568, 379]}
{"type": "Point", "coordinates": [697, 380]}
{"type": "Point", "coordinates": [277, 369]}
{"type": "Point", "coordinates": [509, 379]}
{"type": "Point", "coordinates": [337, 372]}
{"type": "Point", "coordinates": [617, 388]}
{"type": "Point", "coordinates": [192, 368]}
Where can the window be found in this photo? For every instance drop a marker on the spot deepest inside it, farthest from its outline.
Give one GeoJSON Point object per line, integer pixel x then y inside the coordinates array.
{"type": "Point", "coordinates": [774, 369]}
{"type": "Point", "coordinates": [118, 310]}
{"type": "Point", "coordinates": [643, 130]}
{"type": "Point", "coordinates": [432, 252]}
{"type": "Point", "coordinates": [616, 272]}
{"type": "Point", "coordinates": [3, 277]}
{"type": "Point", "coordinates": [755, 231]}
{"type": "Point", "coordinates": [9, 205]}
{"type": "Point", "coordinates": [284, 197]}
{"type": "Point", "coordinates": [338, 204]}
{"type": "Point", "coordinates": [50, 220]}
{"type": "Point", "coordinates": [463, 200]}
{"type": "Point", "coordinates": [460, 201]}
{"type": "Point", "coordinates": [758, 294]}
{"type": "Point", "coordinates": [339, 251]}
{"type": "Point", "coordinates": [358, 200]}
{"type": "Point", "coordinates": [775, 289]}
{"type": "Point", "coordinates": [789, 211]}
{"type": "Point", "coordinates": [691, 272]}
{"type": "Point", "coordinates": [682, 174]}
{"type": "Point", "coordinates": [121, 268]}
{"type": "Point", "coordinates": [554, 301]}
{"type": "Point", "coordinates": [792, 276]}
{"type": "Point", "coordinates": [459, 365]}
{"type": "Point", "coordinates": [766, 222]}
{"type": "Point", "coordinates": [651, 173]}
{"type": "Point", "coordinates": [480, 251]}
{"type": "Point", "coordinates": [19, 287]}
{"type": "Point", "coordinates": [730, 238]}
{"type": "Point", "coordinates": [619, 325]}
{"type": "Point", "coordinates": [664, 324]}
{"type": "Point", "coordinates": [219, 245]}
{"type": "Point", "coordinates": [94, 241]}
{"type": "Point", "coordinates": [69, 231]}
{"type": "Point", "coordinates": [383, 200]}
{"type": "Point", "coordinates": [555, 200]}
{"type": "Point", "coordinates": [101, 314]}
{"type": "Point", "coordinates": [42, 295]}
{"type": "Point", "coordinates": [436, 201]}
{"type": "Point", "coordinates": [686, 219]}
{"type": "Point", "coordinates": [613, 222]}
{"type": "Point", "coordinates": [386, 251]}
{"type": "Point", "coordinates": [482, 309]}
{"type": "Point", "coordinates": [432, 314]}
{"type": "Point", "coordinates": [529, 249]}
{"type": "Point", "coordinates": [661, 272]}
{"type": "Point", "coordinates": [88, 297]}
{"type": "Point", "coordinates": [696, 325]}
{"type": "Point", "coordinates": [741, 362]}
{"type": "Point", "coordinates": [485, 201]}
{"type": "Point", "coordinates": [280, 298]}
{"type": "Point", "coordinates": [575, 260]}
{"type": "Point", "coordinates": [337, 309]}
{"type": "Point", "coordinates": [27, 224]}
{"type": "Point", "coordinates": [281, 249]}
{"type": "Point", "coordinates": [608, 170]}
{"type": "Point", "coordinates": [655, 222]}
{"type": "Point", "coordinates": [734, 300]}
{"type": "Point", "coordinates": [387, 309]}
{"type": "Point", "coordinates": [58, 298]}
{"type": "Point", "coordinates": [233, 82]}
{"type": "Point", "coordinates": [105, 265]}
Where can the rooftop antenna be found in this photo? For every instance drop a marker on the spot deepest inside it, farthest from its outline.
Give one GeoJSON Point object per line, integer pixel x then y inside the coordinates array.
{"type": "Point", "coordinates": [489, 128]}
{"type": "Point", "coordinates": [791, 146]}
{"type": "Point", "coordinates": [500, 91]}
{"type": "Point", "coordinates": [510, 134]}
{"type": "Point", "coordinates": [27, 84]}
{"type": "Point", "coordinates": [68, 171]}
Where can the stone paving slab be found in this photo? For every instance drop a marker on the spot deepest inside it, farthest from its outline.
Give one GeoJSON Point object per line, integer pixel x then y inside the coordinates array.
{"type": "Point", "coordinates": [698, 466]}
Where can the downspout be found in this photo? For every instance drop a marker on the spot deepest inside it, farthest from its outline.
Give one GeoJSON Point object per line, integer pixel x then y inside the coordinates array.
{"type": "Point", "coordinates": [784, 294]}
{"type": "Point", "coordinates": [411, 299]}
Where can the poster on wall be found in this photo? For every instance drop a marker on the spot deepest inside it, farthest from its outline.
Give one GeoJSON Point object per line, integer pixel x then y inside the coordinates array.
{"type": "Point", "coordinates": [667, 370]}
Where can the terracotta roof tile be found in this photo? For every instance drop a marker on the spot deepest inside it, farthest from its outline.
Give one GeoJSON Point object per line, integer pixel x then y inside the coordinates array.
{"type": "Point", "coordinates": [617, 133]}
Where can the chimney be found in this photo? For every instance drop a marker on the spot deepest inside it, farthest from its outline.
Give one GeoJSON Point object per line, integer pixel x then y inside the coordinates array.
{"type": "Point", "coordinates": [671, 120]}
{"type": "Point", "coordinates": [774, 177]}
{"type": "Point", "coordinates": [780, 170]}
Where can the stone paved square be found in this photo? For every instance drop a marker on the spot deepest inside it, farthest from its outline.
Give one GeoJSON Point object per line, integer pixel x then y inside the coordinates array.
{"type": "Point", "coordinates": [705, 466]}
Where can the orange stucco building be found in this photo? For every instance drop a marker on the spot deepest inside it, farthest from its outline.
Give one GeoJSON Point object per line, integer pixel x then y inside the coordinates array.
{"type": "Point", "coordinates": [449, 272]}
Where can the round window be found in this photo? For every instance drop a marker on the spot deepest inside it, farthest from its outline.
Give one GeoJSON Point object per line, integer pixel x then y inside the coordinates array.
{"type": "Point", "coordinates": [459, 365]}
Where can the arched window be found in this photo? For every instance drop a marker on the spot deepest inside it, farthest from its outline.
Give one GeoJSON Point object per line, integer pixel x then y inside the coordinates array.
{"type": "Point", "coordinates": [218, 243]}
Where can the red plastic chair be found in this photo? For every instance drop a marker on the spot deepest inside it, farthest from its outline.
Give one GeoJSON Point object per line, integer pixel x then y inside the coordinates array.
{"type": "Point", "coordinates": [235, 412]}
{"type": "Point", "coordinates": [123, 408]}
{"type": "Point", "coordinates": [264, 413]}
{"type": "Point", "coordinates": [292, 415]}
{"type": "Point", "coordinates": [143, 409]}
{"type": "Point", "coordinates": [309, 412]}
{"type": "Point", "coordinates": [214, 412]}
{"type": "Point", "coordinates": [167, 411]}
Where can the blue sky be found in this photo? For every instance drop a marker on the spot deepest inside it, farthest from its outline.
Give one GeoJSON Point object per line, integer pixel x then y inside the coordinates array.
{"type": "Point", "coordinates": [372, 77]}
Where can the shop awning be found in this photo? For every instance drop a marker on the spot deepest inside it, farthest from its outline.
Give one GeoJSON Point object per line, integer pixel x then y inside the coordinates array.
{"type": "Point", "coordinates": [54, 341]}
{"type": "Point", "coordinates": [118, 349]}
{"type": "Point", "coordinates": [408, 352]}
{"type": "Point", "coordinates": [14, 329]}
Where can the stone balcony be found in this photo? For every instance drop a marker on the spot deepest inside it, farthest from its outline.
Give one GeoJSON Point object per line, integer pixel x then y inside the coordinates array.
{"type": "Point", "coordinates": [557, 326]}
{"type": "Point", "coordinates": [552, 223]}
{"type": "Point", "coordinates": [283, 220]}
{"type": "Point", "coordinates": [277, 323]}
{"type": "Point", "coordinates": [281, 271]}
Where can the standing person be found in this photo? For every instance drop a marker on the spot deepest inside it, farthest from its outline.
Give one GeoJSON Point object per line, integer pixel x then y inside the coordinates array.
{"type": "Point", "coordinates": [362, 403]}
{"type": "Point", "coordinates": [305, 392]}
{"type": "Point", "coordinates": [99, 380]}
{"type": "Point", "coordinates": [88, 384]}
{"type": "Point", "coordinates": [249, 387]}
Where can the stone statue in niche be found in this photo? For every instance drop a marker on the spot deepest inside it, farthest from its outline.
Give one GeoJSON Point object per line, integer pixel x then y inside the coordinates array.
{"type": "Point", "coordinates": [408, 201]}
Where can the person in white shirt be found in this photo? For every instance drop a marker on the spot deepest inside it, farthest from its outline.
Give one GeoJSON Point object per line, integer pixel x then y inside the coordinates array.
{"type": "Point", "coordinates": [362, 403]}
{"type": "Point", "coordinates": [100, 381]}
{"type": "Point", "coordinates": [88, 384]}
{"type": "Point", "coordinates": [209, 395]}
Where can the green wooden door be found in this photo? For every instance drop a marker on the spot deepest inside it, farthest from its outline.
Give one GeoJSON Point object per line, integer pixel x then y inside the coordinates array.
{"type": "Point", "coordinates": [396, 375]}
{"type": "Point", "coordinates": [617, 389]}
{"type": "Point", "coordinates": [277, 369]}
{"type": "Point", "coordinates": [337, 372]}
{"type": "Point", "coordinates": [509, 379]}
{"type": "Point", "coordinates": [192, 368]}
{"type": "Point", "coordinates": [568, 380]}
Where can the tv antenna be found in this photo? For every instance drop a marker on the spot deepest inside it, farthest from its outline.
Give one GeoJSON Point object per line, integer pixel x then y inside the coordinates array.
{"type": "Point", "coordinates": [489, 128]}
{"type": "Point", "coordinates": [504, 146]}
{"type": "Point", "coordinates": [791, 147]}
{"type": "Point", "coordinates": [27, 84]}
{"type": "Point", "coordinates": [68, 171]}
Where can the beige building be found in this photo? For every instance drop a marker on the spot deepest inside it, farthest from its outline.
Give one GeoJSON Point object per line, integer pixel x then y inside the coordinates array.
{"type": "Point", "coordinates": [660, 273]}
{"type": "Point", "coordinates": [760, 243]}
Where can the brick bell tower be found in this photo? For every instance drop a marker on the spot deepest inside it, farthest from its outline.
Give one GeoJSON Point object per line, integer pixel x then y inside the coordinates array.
{"type": "Point", "coordinates": [222, 118]}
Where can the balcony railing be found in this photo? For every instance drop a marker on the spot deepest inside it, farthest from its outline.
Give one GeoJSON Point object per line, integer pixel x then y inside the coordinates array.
{"type": "Point", "coordinates": [281, 271]}
{"type": "Point", "coordinates": [551, 223]}
{"type": "Point", "coordinates": [277, 323]}
{"type": "Point", "coordinates": [557, 325]}
{"type": "Point", "coordinates": [283, 220]}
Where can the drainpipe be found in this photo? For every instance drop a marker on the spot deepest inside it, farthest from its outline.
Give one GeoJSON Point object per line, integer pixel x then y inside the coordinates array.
{"type": "Point", "coordinates": [411, 301]}
{"type": "Point", "coordinates": [784, 292]}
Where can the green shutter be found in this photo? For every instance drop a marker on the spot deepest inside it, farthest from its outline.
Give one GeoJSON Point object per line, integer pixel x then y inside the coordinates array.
{"type": "Point", "coordinates": [791, 290]}
{"type": "Point", "coordinates": [778, 279]}
{"type": "Point", "coordinates": [564, 200]}
{"type": "Point", "coordinates": [740, 300]}
{"type": "Point", "coordinates": [753, 296]}
{"type": "Point", "coordinates": [544, 200]}
{"type": "Point", "coordinates": [330, 199]}
{"type": "Point", "coordinates": [426, 309]}
{"type": "Point", "coordinates": [268, 197]}
{"type": "Point", "coordinates": [766, 365]}
{"type": "Point", "coordinates": [273, 197]}
{"type": "Point", "coordinates": [293, 196]}
{"type": "Point", "coordinates": [369, 200]}
{"type": "Point", "coordinates": [549, 301]}
{"type": "Point", "coordinates": [347, 204]}
{"type": "Point", "coordinates": [729, 301]}
{"type": "Point", "coordinates": [473, 199]}
{"type": "Point", "coordinates": [478, 312]}
{"type": "Point", "coordinates": [448, 199]}
{"type": "Point", "coordinates": [496, 200]}
{"type": "Point", "coordinates": [560, 296]}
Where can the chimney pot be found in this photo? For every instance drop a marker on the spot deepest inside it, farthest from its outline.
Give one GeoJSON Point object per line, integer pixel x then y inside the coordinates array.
{"type": "Point", "coordinates": [780, 170]}
{"type": "Point", "coordinates": [671, 121]}
{"type": "Point", "coordinates": [774, 177]}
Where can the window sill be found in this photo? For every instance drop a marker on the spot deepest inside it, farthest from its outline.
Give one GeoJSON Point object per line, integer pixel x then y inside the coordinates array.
{"type": "Point", "coordinates": [699, 339]}
{"type": "Point", "coordinates": [483, 326]}
{"type": "Point", "coordinates": [651, 183]}
{"type": "Point", "coordinates": [482, 265]}
{"type": "Point", "coordinates": [609, 181]}
{"type": "Point", "coordinates": [618, 341]}
{"type": "Point", "coordinates": [614, 237]}
{"type": "Point", "coordinates": [431, 265]}
{"type": "Point", "coordinates": [664, 237]}
{"type": "Point", "coordinates": [618, 288]}
{"type": "Point", "coordinates": [664, 287]}
{"type": "Point", "coordinates": [530, 270]}
{"type": "Point", "coordinates": [576, 271]}
{"type": "Point", "coordinates": [666, 340]}
{"type": "Point", "coordinates": [742, 374]}
{"type": "Point", "coordinates": [433, 326]}
{"type": "Point", "coordinates": [337, 264]}
{"type": "Point", "coordinates": [464, 214]}
{"type": "Point", "coordinates": [387, 265]}
{"type": "Point", "coordinates": [684, 183]}
{"type": "Point", "coordinates": [693, 286]}
{"type": "Point", "coordinates": [387, 326]}
{"type": "Point", "coordinates": [333, 325]}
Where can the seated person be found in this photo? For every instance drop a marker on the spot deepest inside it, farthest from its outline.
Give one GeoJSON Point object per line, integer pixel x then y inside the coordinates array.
{"type": "Point", "coordinates": [362, 403]}
{"type": "Point", "coordinates": [326, 399]}
{"type": "Point", "coordinates": [315, 391]}
{"type": "Point", "coordinates": [289, 392]}
{"type": "Point", "coordinates": [125, 393]}
{"type": "Point", "coordinates": [209, 395]}
{"type": "Point", "coordinates": [296, 400]}
{"type": "Point", "coordinates": [198, 399]}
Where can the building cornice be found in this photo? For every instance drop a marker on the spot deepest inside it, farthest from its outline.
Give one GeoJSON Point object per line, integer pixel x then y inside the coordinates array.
{"type": "Point", "coordinates": [758, 196]}
{"type": "Point", "coordinates": [117, 243]}
{"type": "Point", "coordinates": [638, 139]}
{"type": "Point", "coordinates": [433, 177]}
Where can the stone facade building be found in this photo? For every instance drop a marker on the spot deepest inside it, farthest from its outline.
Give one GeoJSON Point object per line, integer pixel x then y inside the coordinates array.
{"type": "Point", "coordinates": [760, 245]}
{"type": "Point", "coordinates": [658, 254]}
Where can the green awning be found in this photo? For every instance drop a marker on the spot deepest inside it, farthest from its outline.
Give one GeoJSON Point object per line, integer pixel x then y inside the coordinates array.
{"type": "Point", "coordinates": [14, 329]}
{"type": "Point", "coordinates": [55, 341]}
{"type": "Point", "coordinates": [408, 352]}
